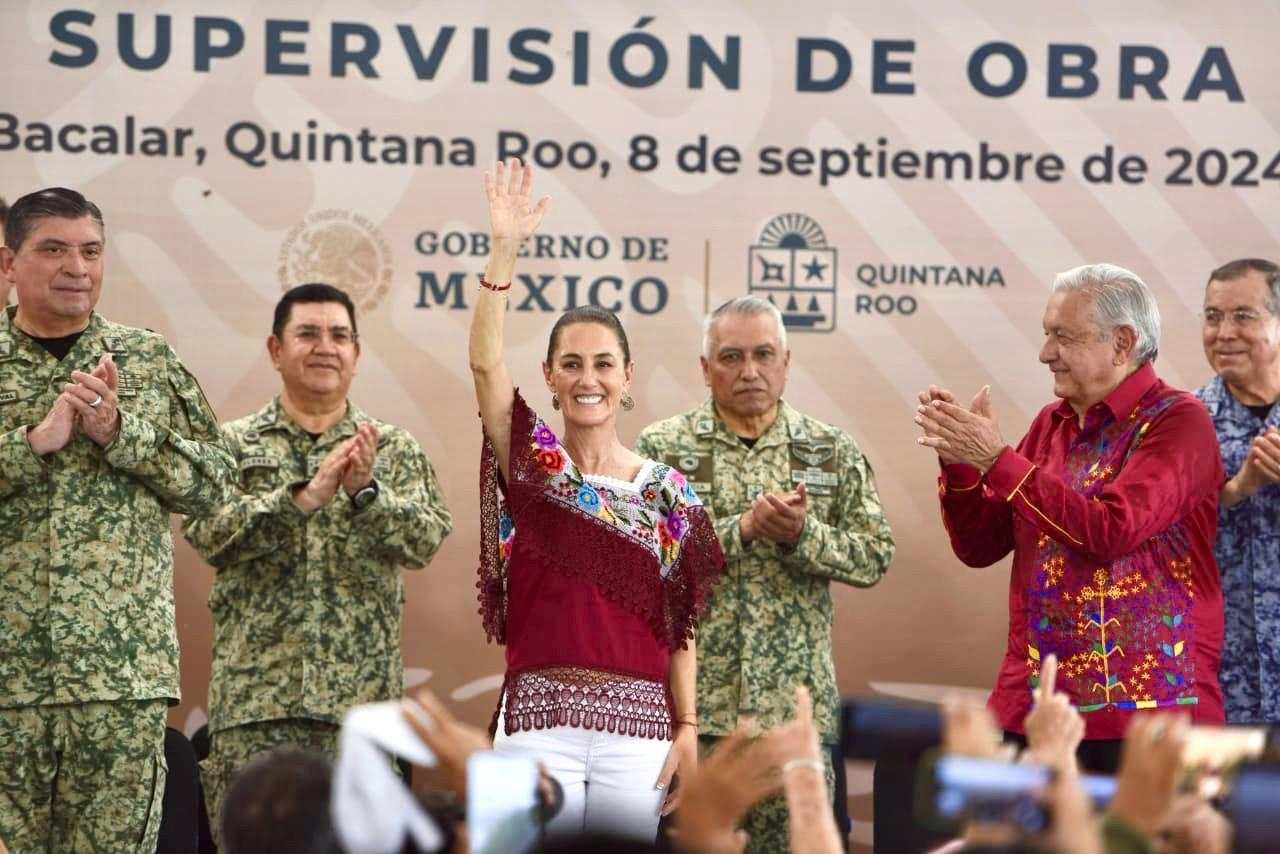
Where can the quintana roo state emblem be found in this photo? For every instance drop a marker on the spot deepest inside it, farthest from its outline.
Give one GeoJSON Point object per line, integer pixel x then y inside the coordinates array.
{"type": "Point", "coordinates": [339, 248]}
{"type": "Point", "coordinates": [792, 266]}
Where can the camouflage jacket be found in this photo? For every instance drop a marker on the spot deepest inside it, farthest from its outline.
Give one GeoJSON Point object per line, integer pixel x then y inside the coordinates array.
{"type": "Point", "coordinates": [768, 627]}
{"type": "Point", "coordinates": [306, 608]}
{"type": "Point", "coordinates": [86, 546]}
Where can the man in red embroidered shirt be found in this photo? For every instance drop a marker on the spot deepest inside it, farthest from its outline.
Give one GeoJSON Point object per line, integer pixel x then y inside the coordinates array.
{"type": "Point", "coordinates": [1109, 507]}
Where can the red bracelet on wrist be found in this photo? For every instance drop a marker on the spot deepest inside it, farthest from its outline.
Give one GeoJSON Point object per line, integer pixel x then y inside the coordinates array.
{"type": "Point", "coordinates": [485, 283]}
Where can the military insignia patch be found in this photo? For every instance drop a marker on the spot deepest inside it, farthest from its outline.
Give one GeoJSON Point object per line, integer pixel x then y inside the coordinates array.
{"type": "Point", "coordinates": [813, 453]}
{"type": "Point", "coordinates": [127, 385]}
{"type": "Point", "coordinates": [814, 464]}
{"type": "Point", "coordinates": [259, 462]}
{"type": "Point", "coordinates": [8, 396]}
{"type": "Point", "coordinates": [113, 344]}
{"type": "Point", "coordinates": [698, 469]}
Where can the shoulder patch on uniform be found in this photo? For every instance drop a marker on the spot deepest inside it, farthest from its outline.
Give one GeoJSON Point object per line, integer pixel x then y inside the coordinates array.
{"type": "Point", "coordinates": [259, 461]}
{"type": "Point", "coordinates": [705, 426]}
{"type": "Point", "coordinates": [113, 344]}
{"type": "Point", "coordinates": [6, 350]}
{"type": "Point", "coordinates": [8, 396]}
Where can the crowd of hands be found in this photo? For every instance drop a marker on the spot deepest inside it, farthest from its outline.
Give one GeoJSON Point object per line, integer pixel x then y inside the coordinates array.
{"type": "Point", "coordinates": [1148, 798]}
{"type": "Point", "coordinates": [710, 799]}
{"type": "Point", "coordinates": [750, 765]}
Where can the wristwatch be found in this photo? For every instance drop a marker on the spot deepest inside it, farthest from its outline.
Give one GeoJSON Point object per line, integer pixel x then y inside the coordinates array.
{"type": "Point", "coordinates": [364, 496]}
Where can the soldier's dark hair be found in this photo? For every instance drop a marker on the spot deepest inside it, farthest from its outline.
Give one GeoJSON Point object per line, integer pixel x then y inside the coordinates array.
{"type": "Point", "coordinates": [589, 314]}
{"type": "Point", "coordinates": [280, 803]}
{"type": "Point", "coordinates": [42, 204]}
{"type": "Point", "coordinates": [310, 292]}
{"type": "Point", "coordinates": [4, 212]}
{"type": "Point", "coordinates": [1243, 267]}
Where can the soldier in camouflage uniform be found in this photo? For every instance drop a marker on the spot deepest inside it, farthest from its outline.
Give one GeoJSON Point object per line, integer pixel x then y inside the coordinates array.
{"type": "Point", "coordinates": [796, 507]}
{"type": "Point", "coordinates": [103, 434]}
{"type": "Point", "coordinates": [306, 603]}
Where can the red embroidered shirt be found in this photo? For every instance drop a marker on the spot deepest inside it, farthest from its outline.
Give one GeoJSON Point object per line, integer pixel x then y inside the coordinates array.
{"type": "Point", "coordinates": [1112, 528]}
{"type": "Point", "coordinates": [591, 583]}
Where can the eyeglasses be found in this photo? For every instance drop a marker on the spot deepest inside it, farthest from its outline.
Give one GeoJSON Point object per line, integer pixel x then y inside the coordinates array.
{"type": "Point", "coordinates": [341, 336]}
{"type": "Point", "coordinates": [1242, 318]}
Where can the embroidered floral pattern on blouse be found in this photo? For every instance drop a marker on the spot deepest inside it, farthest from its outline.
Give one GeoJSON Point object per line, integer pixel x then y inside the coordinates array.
{"type": "Point", "coordinates": [654, 514]}
{"type": "Point", "coordinates": [649, 545]}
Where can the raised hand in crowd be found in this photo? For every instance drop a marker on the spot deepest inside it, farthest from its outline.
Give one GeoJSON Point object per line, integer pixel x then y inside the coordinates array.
{"type": "Point", "coordinates": [742, 771]}
{"type": "Point", "coordinates": [969, 730]}
{"type": "Point", "coordinates": [1149, 763]}
{"type": "Point", "coordinates": [1261, 466]}
{"type": "Point", "coordinates": [1193, 826]}
{"type": "Point", "coordinates": [451, 740]}
{"type": "Point", "coordinates": [720, 791]}
{"type": "Point", "coordinates": [1072, 827]}
{"type": "Point", "coordinates": [799, 756]}
{"type": "Point", "coordinates": [1053, 727]}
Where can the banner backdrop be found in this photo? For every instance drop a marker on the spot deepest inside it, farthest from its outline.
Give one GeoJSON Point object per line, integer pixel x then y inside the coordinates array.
{"type": "Point", "coordinates": [902, 179]}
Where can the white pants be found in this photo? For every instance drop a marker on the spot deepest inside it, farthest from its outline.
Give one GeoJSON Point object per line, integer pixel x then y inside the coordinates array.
{"type": "Point", "coordinates": [609, 780]}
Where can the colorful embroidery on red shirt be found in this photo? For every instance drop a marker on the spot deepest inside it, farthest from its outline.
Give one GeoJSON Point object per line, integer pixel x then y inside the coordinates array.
{"type": "Point", "coordinates": [1119, 632]}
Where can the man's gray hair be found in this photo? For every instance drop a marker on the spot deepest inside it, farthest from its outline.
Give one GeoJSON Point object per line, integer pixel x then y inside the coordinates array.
{"type": "Point", "coordinates": [743, 306]}
{"type": "Point", "coordinates": [1120, 298]}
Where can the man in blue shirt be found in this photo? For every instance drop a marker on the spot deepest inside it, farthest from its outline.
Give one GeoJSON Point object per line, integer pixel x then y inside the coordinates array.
{"type": "Point", "coordinates": [1241, 331]}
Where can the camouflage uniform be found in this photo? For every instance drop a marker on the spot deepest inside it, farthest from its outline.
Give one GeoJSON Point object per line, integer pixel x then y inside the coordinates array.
{"type": "Point", "coordinates": [768, 628]}
{"type": "Point", "coordinates": [306, 608]}
{"type": "Point", "coordinates": [88, 646]}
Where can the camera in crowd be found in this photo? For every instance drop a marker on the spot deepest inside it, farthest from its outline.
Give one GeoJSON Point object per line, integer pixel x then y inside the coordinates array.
{"type": "Point", "coordinates": [1236, 767]}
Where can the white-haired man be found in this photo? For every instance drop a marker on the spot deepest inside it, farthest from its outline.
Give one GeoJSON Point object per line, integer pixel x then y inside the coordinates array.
{"type": "Point", "coordinates": [1109, 505]}
{"type": "Point", "coordinates": [795, 508]}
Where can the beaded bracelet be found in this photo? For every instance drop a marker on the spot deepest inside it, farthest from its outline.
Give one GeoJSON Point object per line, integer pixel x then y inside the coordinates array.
{"type": "Point", "coordinates": [485, 283]}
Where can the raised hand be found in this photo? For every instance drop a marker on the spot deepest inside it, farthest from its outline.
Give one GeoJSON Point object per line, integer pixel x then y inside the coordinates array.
{"type": "Point", "coordinates": [962, 435]}
{"type": "Point", "coordinates": [53, 433]}
{"type": "Point", "coordinates": [93, 396]}
{"type": "Point", "coordinates": [725, 785]}
{"type": "Point", "coordinates": [1054, 728]}
{"type": "Point", "coordinates": [451, 740]}
{"type": "Point", "coordinates": [323, 485]}
{"type": "Point", "coordinates": [362, 454]}
{"type": "Point", "coordinates": [1149, 761]}
{"type": "Point", "coordinates": [1262, 465]}
{"type": "Point", "coordinates": [780, 517]}
{"type": "Point", "coordinates": [934, 392]}
{"type": "Point", "coordinates": [509, 189]}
